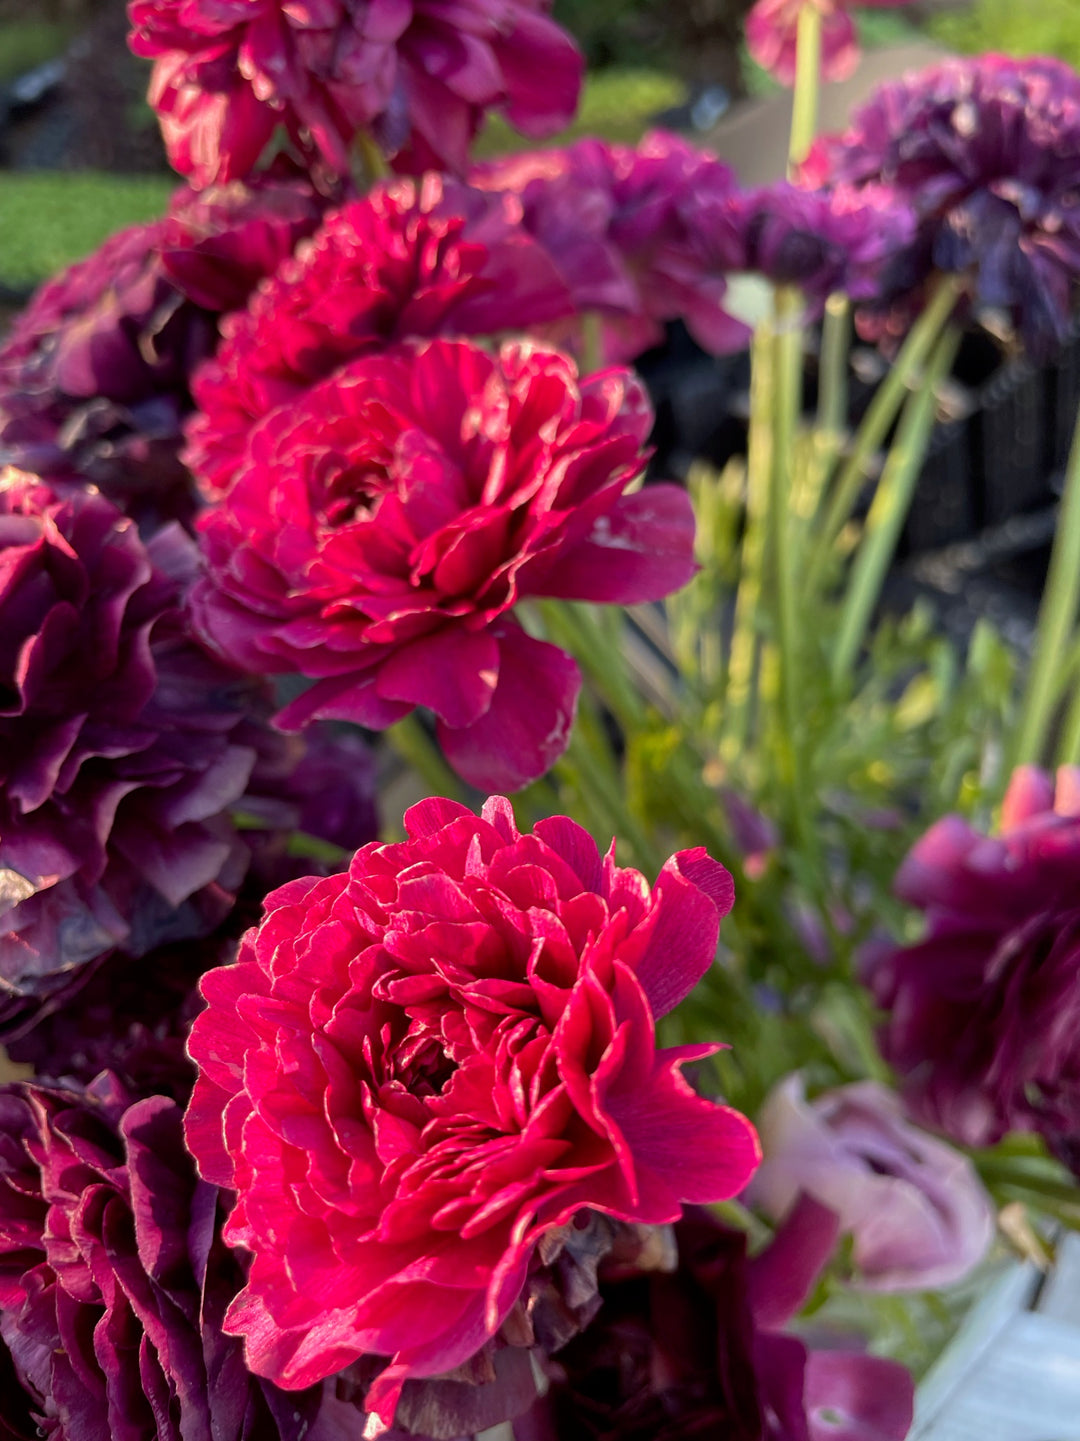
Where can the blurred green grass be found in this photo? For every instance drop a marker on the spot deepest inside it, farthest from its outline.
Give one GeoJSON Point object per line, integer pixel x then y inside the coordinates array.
{"type": "Point", "coordinates": [617, 104]}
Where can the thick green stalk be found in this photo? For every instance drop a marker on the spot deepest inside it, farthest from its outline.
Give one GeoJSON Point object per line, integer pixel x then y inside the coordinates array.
{"type": "Point", "coordinates": [804, 111]}
{"type": "Point", "coordinates": [372, 158]}
{"type": "Point", "coordinates": [1057, 618]}
{"type": "Point", "coordinates": [889, 509]}
{"type": "Point", "coordinates": [876, 423]}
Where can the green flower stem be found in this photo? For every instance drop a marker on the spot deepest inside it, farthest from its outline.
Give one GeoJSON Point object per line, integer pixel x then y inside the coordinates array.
{"type": "Point", "coordinates": [371, 158]}
{"type": "Point", "coordinates": [417, 749]}
{"type": "Point", "coordinates": [882, 412]}
{"type": "Point", "coordinates": [889, 509]}
{"type": "Point", "coordinates": [1057, 618]}
{"type": "Point", "coordinates": [592, 342]}
{"type": "Point", "coordinates": [804, 111]}
{"type": "Point", "coordinates": [1069, 746]}
{"type": "Point", "coordinates": [576, 627]}
{"type": "Point", "coordinates": [831, 427]}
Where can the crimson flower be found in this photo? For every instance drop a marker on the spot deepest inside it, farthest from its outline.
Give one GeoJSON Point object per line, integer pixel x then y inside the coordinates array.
{"type": "Point", "coordinates": [983, 1012]}
{"type": "Point", "coordinates": [420, 74]}
{"type": "Point", "coordinates": [385, 524]}
{"type": "Point", "coordinates": [419, 1072]}
{"type": "Point", "coordinates": [410, 259]}
{"type": "Point", "coordinates": [772, 29]}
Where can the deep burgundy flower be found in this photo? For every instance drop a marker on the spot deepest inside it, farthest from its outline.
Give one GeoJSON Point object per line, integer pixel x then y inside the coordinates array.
{"type": "Point", "coordinates": [917, 1213]}
{"type": "Point", "coordinates": [772, 29]}
{"type": "Point", "coordinates": [619, 223]}
{"type": "Point", "coordinates": [386, 523]}
{"type": "Point", "coordinates": [984, 1012]}
{"type": "Point", "coordinates": [701, 1353]}
{"type": "Point", "coordinates": [419, 74]}
{"type": "Point", "coordinates": [419, 1071]}
{"type": "Point", "coordinates": [410, 259]}
{"type": "Point", "coordinates": [122, 744]}
{"type": "Point", "coordinates": [987, 153]}
{"type": "Point", "coordinates": [94, 375]}
{"type": "Point", "coordinates": [113, 1279]}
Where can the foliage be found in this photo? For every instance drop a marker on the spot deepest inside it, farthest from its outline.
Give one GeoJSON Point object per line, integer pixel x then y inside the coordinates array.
{"type": "Point", "coordinates": [1040, 27]}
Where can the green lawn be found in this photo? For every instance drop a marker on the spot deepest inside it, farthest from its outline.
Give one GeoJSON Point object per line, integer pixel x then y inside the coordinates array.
{"type": "Point", "coordinates": [616, 104]}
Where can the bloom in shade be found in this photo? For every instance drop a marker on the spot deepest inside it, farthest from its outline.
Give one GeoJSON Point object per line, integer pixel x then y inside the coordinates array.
{"type": "Point", "coordinates": [983, 1014]}
{"type": "Point", "coordinates": [772, 30]}
{"type": "Point", "coordinates": [114, 1280]}
{"type": "Point", "coordinates": [917, 1213]}
{"type": "Point", "coordinates": [94, 374]}
{"type": "Point", "coordinates": [419, 74]}
{"type": "Point", "coordinates": [385, 524]}
{"type": "Point", "coordinates": [620, 224]}
{"type": "Point", "coordinates": [410, 259]}
{"type": "Point", "coordinates": [702, 1353]}
{"type": "Point", "coordinates": [986, 152]}
{"type": "Point", "coordinates": [419, 1072]}
{"type": "Point", "coordinates": [123, 745]}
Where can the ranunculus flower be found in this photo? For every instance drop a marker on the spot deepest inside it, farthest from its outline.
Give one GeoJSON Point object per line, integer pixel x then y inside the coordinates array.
{"type": "Point", "coordinates": [620, 224]}
{"type": "Point", "coordinates": [94, 374]}
{"type": "Point", "coordinates": [410, 259]}
{"type": "Point", "coordinates": [114, 1281]}
{"type": "Point", "coordinates": [986, 152]}
{"type": "Point", "coordinates": [419, 74]}
{"type": "Point", "coordinates": [918, 1215]}
{"type": "Point", "coordinates": [701, 1352]}
{"type": "Point", "coordinates": [386, 523]}
{"type": "Point", "coordinates": [772, 29]}
{"type": "Point", "coordinates": [984, 1013]}
{"type": "Point", "coordinates": [419, 1072]}
{"type": "Point", "coordinates": [122, 745]}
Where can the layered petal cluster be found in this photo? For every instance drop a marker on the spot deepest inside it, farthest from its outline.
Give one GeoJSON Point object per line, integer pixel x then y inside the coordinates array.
{"type": "Point", "coordinates": [420, 1072]}
{"type": "Point", "coordinates": [114, 1280]}
{"type": "Point", "coordinates": [122, 744]}
{"type": "Point", "coordinates": [772, 32]}
{"type": "Point", "coordinates": [620, 224]}
{"type": "Point", "coordinates": [418, 74]}
{"type": "Point", "coordinates": [410, 259]}
{"type": "Point", "coordinates": [383, 527]}
{"type": "Point", "coordinates": [984, 1013]}
{"type": "Point", "coordinates": [95, 374]}
{"type": "Point", "coordinates": [986, 152]}
{"type": "Point", "coordinates": [702, 1352]}
{"type": "Point", "coordinates": [917, 1213]}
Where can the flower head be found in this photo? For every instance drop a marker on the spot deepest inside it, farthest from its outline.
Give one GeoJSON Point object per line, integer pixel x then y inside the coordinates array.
{"type": "Point", "coordinates": [619, 223]}
{"type": "Point", "coordinates": [113, 1280]}
{"type": "Point", "coordinates": [94, 375]}
{"type": "Point", "coordinates": [385, 524]}
{"type": "Point", "coordinates": [122, 744]}
{"type": "Point", "coordinates": [986, 152]}
{"type": "Point", "coordinates": [917, 1213]}
{"type": "Point", "coordinates": [983, 1012]}
{"type": "Point", "coordinates": [420, 1071]}
{"type": "Point", "coordinates": [410, 259]}
{"type": "Point", "coordinates": [419, 74]}
{"type": "Point", "coordinates": [772, 30]}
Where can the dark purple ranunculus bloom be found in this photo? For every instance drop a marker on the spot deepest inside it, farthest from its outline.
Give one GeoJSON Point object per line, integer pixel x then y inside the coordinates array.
{"type": "Point", "coordinates": [837, 240]}
{"type": "Point", "coordinates": [987, 153]}
{"type": "Point", "coordinates": [700, 1353]}
{"type": "Point", "coordinates": [621, 224]}
{"type": "Point", "coordinates": [114, 1280]}
{"type": "Point", "coordinates": [94, 375]}
{"type": "Point", "coordinates": [984, 1013]}
{"type": "Point", "coordinates": [122, 745]}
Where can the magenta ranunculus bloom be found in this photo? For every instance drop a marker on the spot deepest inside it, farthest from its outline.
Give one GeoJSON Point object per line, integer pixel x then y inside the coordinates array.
{"type": "Point", "coordinates": [385, 524]}
{"type": "Point", "coordinates": [410, 259]}
{"type": "Point", "coordinates": [420, 75]}
{"type": "Point", "coordinates": [620, 224]}
{"type": "Point", "coordinates": [984, 1013]}
{"type": "Point", "coordinates": [114, 1281]}
{"type": "Point", "coordinates": [986, 151]}
{"type": "Point", "coordinates": [772, 31]}
{"type": "Point", "coordinates": [419, 1071]}
{"type": "Point", "coordinates": [122, 744]}
{"type": "Point", "coordinates": [917, 1213]}
{"type": "Point", "coordinates": [94, 374]}
{"type": "Point", "coordinates": [701, 1353]}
